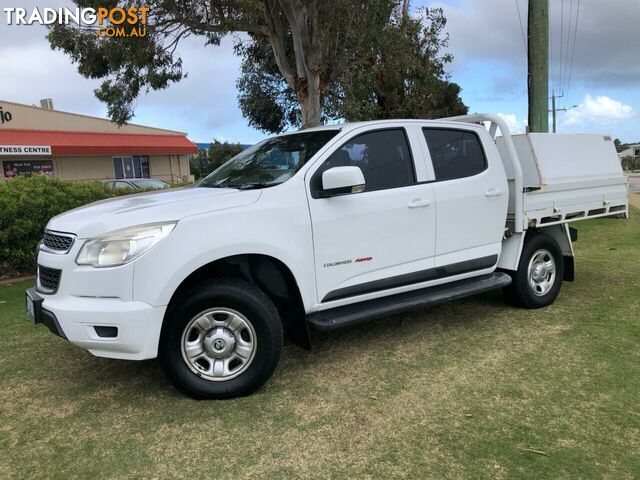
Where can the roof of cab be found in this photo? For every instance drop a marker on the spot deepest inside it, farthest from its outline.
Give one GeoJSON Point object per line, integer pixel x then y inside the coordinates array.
{"type": "Point", "coordinates": [353, 125]}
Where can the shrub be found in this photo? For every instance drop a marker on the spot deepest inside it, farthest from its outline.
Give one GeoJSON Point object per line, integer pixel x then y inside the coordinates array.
{"type": "Point", "coordinates": [27, 204]}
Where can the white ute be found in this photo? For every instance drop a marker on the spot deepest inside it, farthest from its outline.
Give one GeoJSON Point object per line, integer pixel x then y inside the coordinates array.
{"type": "Point", "coordinates": [320, 229]}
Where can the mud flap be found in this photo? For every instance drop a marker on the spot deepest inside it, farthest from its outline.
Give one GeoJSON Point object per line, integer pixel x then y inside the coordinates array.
{"type": "Point", "coordinates": [569, 272]}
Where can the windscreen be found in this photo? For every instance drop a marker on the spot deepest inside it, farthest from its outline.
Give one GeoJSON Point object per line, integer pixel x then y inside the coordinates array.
{"type": "Point", "coordinates": [270, 162]}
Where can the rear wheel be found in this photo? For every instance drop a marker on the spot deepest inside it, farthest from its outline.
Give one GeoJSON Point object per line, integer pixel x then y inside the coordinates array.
{"type": "Point", "coordinates": [538, 279]}
{"type": "Point", "coordinates": [222, 341]}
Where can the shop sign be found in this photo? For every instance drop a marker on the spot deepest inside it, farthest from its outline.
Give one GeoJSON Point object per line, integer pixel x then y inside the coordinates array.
{"type": "Point", "coordinates": [5, 117]}
{"type": "Point", "coordinates": [25, 150]}
{"type": "Point", "coordinates": [27, 168]}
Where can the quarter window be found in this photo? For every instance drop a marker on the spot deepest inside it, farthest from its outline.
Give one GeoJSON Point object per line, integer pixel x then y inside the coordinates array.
{"type": "Point", "coordinates": [383, 156]}
{"type": "Point", "coordinates": [454, 153]}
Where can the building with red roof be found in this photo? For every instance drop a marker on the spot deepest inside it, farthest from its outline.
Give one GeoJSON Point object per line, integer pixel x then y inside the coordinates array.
{"type": "Point", "coordinates": [39, 140]}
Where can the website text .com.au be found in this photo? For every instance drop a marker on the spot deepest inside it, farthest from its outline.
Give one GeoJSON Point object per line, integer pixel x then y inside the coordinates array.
{"type": "Point", "coordinates": [107, 22]}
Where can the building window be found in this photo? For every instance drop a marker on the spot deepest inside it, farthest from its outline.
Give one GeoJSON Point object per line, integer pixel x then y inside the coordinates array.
{"type": "Point", "coordinates": [27, 168]}
{"type": "Point", "coordinates": [136, 166]}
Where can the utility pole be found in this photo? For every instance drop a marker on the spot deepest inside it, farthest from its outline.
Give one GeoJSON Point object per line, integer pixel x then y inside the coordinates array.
{"type": "Point", "coordinates": [538, 65]}
{"type": "Point", "coordinates": [554, 109]}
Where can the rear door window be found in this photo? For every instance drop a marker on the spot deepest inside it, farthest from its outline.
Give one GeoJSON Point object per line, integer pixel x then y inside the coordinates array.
{"type": "Point", "coordinates": [454, 153]}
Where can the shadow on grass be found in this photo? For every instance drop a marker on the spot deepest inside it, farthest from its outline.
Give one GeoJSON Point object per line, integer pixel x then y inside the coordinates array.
{"type": "Point", "coordinates": [82, 374]}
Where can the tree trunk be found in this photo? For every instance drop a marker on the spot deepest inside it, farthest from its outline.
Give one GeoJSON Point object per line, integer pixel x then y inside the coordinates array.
{"type": "Point", "coordinates": [405, 9]}
{"type": "Point", "coordinates": [303, 74]}
{"type": "Point", "coordinates": [310, 108]}
{"type": "Point", "coordinates": [309, 93]}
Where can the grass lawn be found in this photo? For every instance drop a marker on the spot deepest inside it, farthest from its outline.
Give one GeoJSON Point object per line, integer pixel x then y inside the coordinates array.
{"type": "Point", "coordinates": [472, 389]}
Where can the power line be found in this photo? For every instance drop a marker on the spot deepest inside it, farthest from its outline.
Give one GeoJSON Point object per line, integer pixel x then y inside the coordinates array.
{"type": "Point", "coordinates": [524, 40]}
{"type": "Point", "coordinates": [573, 51]}
{"type": "Point", "coordinates": [567, 43]}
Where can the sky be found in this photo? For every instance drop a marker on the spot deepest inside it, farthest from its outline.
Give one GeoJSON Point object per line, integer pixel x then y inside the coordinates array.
{"type": "Point", "coordinates": [486, 39]}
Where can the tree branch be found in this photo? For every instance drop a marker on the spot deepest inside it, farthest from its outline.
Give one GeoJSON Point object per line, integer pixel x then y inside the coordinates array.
{"type": "Point", "coordinates": [276, 40]}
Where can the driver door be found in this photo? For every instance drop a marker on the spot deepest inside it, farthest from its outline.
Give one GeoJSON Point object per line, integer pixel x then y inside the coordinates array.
{"type": "Point", "coordinates": [374, 242]}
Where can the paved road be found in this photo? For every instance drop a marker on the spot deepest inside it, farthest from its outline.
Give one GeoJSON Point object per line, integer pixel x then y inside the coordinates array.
{"type": "Point", "coordinates": [634, 183]}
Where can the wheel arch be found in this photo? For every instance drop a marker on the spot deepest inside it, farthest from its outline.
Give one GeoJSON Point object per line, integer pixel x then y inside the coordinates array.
{"type": "Point", "coordinates": [269, 274]}
{"type": "Point", "coordinates": [562, 235]}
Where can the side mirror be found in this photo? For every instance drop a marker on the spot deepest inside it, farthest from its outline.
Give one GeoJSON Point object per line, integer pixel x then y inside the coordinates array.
{"type": "Point", "coordinates": [342, 181]}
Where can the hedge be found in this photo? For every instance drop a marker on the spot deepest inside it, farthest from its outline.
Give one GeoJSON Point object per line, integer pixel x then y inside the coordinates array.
{"type": "Point", "coordinates": [27, 204]}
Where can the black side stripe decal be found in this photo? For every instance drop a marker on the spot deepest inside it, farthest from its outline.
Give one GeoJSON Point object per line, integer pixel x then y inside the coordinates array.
{"type": "Point", "coordinates": [413, 277]}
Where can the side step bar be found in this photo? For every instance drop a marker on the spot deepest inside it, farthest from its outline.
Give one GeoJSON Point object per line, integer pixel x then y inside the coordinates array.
{"type": "Point", "coordinates": [379, 307]}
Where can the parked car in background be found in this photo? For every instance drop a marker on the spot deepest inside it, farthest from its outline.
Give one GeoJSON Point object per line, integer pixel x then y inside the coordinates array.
{"type": "Point", "coordinates": [137, 183]}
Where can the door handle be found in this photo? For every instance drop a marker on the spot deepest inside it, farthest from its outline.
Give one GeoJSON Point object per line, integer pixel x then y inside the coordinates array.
{"type": "Point", "coordinates": [493, 192]}
{"type": "Point", "coordinates": [419, 202]}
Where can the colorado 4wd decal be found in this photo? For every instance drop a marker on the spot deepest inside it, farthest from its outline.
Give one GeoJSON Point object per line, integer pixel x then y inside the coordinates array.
{"type": "Point", "coordinates": [348, 261]}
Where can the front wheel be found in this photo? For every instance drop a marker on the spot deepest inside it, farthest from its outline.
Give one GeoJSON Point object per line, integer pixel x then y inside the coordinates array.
{"type": "Point", "coordinates": [222, 341]}
{"type": "Point", "coordinates": [538, 279]}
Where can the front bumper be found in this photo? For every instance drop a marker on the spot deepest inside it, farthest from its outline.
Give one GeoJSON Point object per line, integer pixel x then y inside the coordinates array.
{"type": "Point", "coordinates": [40, 315]}
{"type": "Point", "coordinates": [106, 327]}
{"type": "Point", "coordinates": [94, 308]}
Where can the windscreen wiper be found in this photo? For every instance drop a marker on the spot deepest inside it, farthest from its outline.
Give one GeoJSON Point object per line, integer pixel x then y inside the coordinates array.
{"type": "Point", "coordinates": [249, 186]}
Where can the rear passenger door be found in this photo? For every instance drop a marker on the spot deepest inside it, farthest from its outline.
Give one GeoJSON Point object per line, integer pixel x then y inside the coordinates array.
{"type": "Point", "coordinates": [471, 195]}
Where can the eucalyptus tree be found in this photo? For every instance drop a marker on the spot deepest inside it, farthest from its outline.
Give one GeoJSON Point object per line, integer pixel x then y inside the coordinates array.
{"type": "Point", "coordinates": [310, 42]}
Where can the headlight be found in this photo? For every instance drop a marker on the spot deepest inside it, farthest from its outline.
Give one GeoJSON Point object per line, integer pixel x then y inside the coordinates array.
{"type": "Point", "coordinates": [121, 246]}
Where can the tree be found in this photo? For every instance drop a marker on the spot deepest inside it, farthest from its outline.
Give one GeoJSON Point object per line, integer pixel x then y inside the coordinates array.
{"type": "Point", "coordinates": [628, 162]}
{"type": "Point", "coordinates": [265, 98]}
{"type": "Point", "coordinates": [402, 72]}
{"type": "Point", "coordinates": [396, 71]}
{"type": "Point", "coordinates": [618, 144]}
{"type": "Point", "coordinates": [310, 42]}
{"type": "Point", "coordinates": [206, 161]}
{"type": "Point", "coordinates": [199, 163]}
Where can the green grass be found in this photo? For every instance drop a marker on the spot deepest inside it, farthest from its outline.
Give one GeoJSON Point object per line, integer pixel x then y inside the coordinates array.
{"type": "Point", "coordinates": [464, 390]}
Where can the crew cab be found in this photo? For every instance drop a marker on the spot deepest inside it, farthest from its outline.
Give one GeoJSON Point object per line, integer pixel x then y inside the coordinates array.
{"type": "Point", "coordinates": [320, 229]}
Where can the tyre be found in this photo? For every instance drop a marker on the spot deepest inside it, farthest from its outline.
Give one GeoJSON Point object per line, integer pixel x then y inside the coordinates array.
{"type": "Point", "coordinates": [223, 340]}
{"type": "Point", "coordinates": [538, 279]}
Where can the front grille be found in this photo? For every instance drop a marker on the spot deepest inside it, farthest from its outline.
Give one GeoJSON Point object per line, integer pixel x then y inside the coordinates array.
{"type": "Point", "coordinates": [48, 279]}
{"type": "Point", "coordinates": [57, 242]}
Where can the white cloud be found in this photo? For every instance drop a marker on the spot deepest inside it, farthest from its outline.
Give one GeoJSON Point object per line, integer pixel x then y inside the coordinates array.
{"type": "Point", "coordinates": [515, 125]}
{"type": "Point", "coordinates": [597, 110]}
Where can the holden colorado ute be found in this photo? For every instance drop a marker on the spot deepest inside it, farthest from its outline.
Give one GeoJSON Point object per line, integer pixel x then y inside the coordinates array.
{"type": "Point", "coordinates": [320, 229]}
